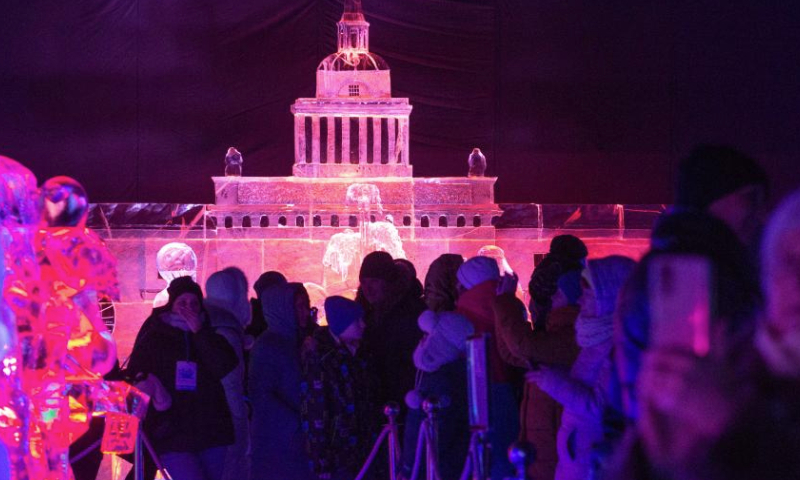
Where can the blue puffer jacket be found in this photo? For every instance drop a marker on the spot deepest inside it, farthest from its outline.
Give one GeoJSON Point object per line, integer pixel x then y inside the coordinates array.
{"type": "Point", "coordinates": [277, 441]}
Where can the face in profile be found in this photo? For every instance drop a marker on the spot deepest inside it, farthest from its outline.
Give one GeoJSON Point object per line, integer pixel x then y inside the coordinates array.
{"type": "Point", "coordinates": [375, 290]}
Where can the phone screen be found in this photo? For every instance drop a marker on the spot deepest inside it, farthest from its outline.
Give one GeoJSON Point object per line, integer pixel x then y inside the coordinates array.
{"type": "Point", "coordinates": [681, 303]}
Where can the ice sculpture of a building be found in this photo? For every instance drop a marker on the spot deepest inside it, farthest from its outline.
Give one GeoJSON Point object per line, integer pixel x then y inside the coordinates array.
{"type": "Point", "coordinates": [353, 127]}
{"type": "Point", "coordinates": [353, 135]}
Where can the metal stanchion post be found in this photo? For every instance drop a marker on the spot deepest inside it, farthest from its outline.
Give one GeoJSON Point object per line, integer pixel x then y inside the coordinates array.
{"type": "Point", "coordinates": [481, 471]}
{"type": "Point", "coordinates": [138, 459]}
{"type": "Point", "coordinates": [431, 406]}
{"type": "Point", "coordinates": [391, 410]}
{"type": "Point", "coordinates": [478, 384]}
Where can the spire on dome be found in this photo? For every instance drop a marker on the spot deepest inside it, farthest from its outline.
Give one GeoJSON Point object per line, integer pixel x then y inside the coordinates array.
{"type": "Point", "coordinates": [353, 29]}
{"type": "Point", "coordinates": [352, 6]}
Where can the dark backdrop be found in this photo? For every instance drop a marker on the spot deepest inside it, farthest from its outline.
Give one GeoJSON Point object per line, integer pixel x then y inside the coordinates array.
{"type": "Point", "coordinates": [572, 101]}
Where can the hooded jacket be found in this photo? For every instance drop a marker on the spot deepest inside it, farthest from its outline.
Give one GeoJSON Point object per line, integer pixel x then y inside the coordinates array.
{"type": "Point", "coordinates": [276, 437]}
{"type": "Point", "coordinates": [583, 391]}
{"type": "Point", "coordinates": [229, 313]}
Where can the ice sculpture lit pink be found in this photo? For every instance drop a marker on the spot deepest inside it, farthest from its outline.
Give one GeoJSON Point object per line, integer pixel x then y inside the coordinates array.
{"type": "Point", "coordinates": [55, 346]}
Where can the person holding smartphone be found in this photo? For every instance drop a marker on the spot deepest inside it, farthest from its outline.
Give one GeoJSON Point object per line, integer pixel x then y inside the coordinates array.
{"type": "Point", "coordinates": [581, 390]}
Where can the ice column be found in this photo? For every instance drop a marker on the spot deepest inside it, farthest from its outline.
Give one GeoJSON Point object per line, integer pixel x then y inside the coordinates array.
{"type": "Point", "coordinates": [376, 141]}
{"type": "Point", "coordinates": [362, 140]}
{"type": "Point", "coordinates": [315, 138]}
{"type": "Point", "coordinates": [300, 138]}
{"type": "Point", "coordinates": [345, 139]}
{"type": "Point", "coordinates": [331, 123]}
{"type": "Point", "coordinates": [391, 125]}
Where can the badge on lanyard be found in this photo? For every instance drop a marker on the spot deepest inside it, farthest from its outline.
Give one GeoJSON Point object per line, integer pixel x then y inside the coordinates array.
{"type": "Point", "coordinates": [186, 376]}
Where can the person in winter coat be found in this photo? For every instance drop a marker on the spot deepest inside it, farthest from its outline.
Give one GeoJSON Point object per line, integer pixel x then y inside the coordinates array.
{"type": "Point", "coordinates": [732, 414]}
{"type": "Point", "coordinates": [336, 406]}
{"type": "Point", "coordinates": [179, 347]}
{"type": "Point", "coordinates": [391, 333]}
{"type": "Point", "coordinates": [440, 359]}
{"type": "Point", "coordinates": [229, 313]}
{"type": "Point", "coordinates": [582, 390]}
{"type": "Point", "coordinates": [478, 279]}
{"type": "Point", "coordinates": [569, 252]}
{"type": "Point", "coordinates": [555, 293]}
{"type": "Point", "coordinates": [720, 202]}
{"type": "Point", "coordinates": [441, 283]}
{"type": "Point", "coordinates": [277, 441]}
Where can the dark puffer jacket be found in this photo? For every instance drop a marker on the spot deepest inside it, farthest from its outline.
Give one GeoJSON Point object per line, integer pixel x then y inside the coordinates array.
{"type": "Point", "coordinates": [197, 419]}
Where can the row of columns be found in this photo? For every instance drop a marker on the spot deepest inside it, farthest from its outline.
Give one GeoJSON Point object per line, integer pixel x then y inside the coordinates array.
{"type": "Point", "coordinates": [395, 126]}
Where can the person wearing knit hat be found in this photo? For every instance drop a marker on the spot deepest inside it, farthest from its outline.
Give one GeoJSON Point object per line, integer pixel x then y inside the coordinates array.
{"type": "Point", "coordinates": [442, 372]}
{"type": "Point", "coordinates": [478, 270]}
{"type": "Point", "coordinates": [337, 394]}
{"type": "Point", "coordinates": [378, 265]}
{"type": "Point", "coordinates": [478, 278]}
{"type": "Point", "coordinates": [178, 287]}
{"type": "Point", "coordinates": [341, 313]}
{"type": "Point", "coordinates": [178, 346]}
{"type": "Point", "coordinates": [391, 332]}
{"type": "Point", "coordinates": [728, 185]}
{"type": "Point", "coordinates": [568, 248]}
{"type": "Point", "coordinates": [378, 279]}
{"type": "Point", "coordinates": [554, 289]}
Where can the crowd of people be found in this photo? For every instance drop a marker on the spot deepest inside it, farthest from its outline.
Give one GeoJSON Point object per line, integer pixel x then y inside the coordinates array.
{"type": "Point", "coordinates": [257, 389]}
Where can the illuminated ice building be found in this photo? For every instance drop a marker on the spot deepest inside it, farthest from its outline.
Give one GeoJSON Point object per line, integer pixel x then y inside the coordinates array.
{"type": "Point", "coordinates": [352, 190]}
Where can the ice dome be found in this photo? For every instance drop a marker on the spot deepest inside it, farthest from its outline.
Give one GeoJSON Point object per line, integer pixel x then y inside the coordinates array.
{"type": "Point", "coordinates": [351, 61]}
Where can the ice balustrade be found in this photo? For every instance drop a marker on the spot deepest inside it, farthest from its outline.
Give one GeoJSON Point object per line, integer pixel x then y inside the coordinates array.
{"type": "Point", "coordinates": [197, 221]}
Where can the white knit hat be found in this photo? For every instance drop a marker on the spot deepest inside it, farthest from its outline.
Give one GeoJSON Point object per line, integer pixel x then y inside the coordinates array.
{"type": "Point", "coordinates": [477, 270]}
